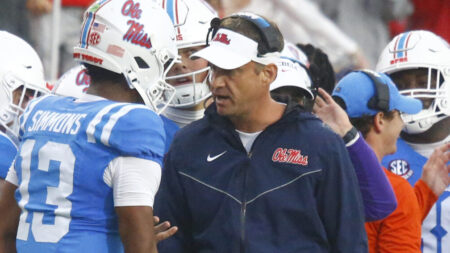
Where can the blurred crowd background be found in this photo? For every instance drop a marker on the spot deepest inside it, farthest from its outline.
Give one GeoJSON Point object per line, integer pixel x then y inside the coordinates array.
{"type": "Point", "coordinates": [351, 32]}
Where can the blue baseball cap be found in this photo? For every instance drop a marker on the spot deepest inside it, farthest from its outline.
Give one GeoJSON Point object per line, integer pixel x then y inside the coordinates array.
{"type": "Point", "coordinates": [357, 88]}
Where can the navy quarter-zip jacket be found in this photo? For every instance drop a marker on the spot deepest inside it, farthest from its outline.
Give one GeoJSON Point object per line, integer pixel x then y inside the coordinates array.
{"type": "Point", "coordinates": [296, 191]}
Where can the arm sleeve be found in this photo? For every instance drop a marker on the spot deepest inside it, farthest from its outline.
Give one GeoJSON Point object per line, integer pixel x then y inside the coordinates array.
{"type": "Point", "coordinates": [400, 231]}
{"type": "Point", "coordinates": [135, 181]}
{"type": "Point", "coordinates": [171, 205]}
{"type": "Point", "coordinates": [339, 199]}
{"type": "Point", "coordinates": [425, 197]}
{"type": "Point", "coordinates": [376, 191]}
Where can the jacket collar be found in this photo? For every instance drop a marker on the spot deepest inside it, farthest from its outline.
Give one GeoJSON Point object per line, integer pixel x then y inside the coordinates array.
{"type": "Point", "coordinates": [223, 122]}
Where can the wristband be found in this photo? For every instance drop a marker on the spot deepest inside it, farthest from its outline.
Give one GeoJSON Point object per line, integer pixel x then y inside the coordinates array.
{"type": "Point", "coordinates": [351, 135]}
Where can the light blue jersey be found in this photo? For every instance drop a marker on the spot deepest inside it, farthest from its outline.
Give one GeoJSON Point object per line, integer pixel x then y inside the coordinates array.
{"type": "Point", "coordinates": [66, 147]}
{"type": "Point", "coordinates": [8, 151]}
{"type": "Point", "coordinates": [171, 129]}
{"type": "Point", "coordinates": [407, 163]}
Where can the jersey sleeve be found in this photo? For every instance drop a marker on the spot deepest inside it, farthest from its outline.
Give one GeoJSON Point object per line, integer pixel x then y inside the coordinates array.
{"type": "Point", "coordinates": [170, 128]}
{"type": "Point", "coordinates": [131, 130]}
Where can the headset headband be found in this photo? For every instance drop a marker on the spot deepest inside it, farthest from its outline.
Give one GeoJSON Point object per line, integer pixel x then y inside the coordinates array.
{"type": "Point", "coordinates": [380, 101]}
{"type": "Point", "coordinates": [267, 32]}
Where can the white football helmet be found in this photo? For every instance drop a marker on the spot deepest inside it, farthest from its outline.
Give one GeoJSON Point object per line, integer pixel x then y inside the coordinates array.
{"type": "Point", "coordinates": [292, 70]}
{"type": "Point", "coordinates": [135, 38]}
{"type": "Point", "coordinates": [291, 73]}
{"type": "Point", "coordinates": [191, 19]}
{"type": "Point", "coordinates": [292, 51]}
{"type": "Point", "coordinates": [74, 83]}
{"type": "Point", "coordinates": [421, 49]}
{"type": "Point", "coordinates": [20, 68]}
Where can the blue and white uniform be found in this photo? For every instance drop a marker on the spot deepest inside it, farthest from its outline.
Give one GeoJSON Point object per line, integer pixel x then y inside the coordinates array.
{"type": "Point", "coordinates": [408, 163]}
{"type": "Point", "coordinates": [65, 171]}
{"type": "Point", "coordinates": [171, 128]}
{"type": "Point", "coordinates": [8, 152]}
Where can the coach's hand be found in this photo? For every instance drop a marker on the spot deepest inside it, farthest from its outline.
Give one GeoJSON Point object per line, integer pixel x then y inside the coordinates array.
{"type": "Point", "coordinates": [163, 230]}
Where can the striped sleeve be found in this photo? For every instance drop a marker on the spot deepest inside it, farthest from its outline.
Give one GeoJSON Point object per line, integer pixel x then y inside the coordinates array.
{"type": "Point", "coordinates": [130, 129]}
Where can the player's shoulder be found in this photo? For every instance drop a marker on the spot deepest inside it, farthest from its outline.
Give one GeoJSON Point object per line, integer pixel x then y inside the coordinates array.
{"type": "Point", "coordinates": [7, 142]}
{"type": "Point", "coordinates": [126, 126]}
{"type": "Point", "coordinates": [169, 125]}
{"type": "Point", "coordinates": [8, 153]}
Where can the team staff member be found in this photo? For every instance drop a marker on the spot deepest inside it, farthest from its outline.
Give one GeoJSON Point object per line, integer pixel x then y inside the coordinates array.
{"type": "Point", "coordinates": [266, 176]}
{"type": "Point", "coordinates": [189, 77]}
{"type": "Point", "coordinates": [377, 117]}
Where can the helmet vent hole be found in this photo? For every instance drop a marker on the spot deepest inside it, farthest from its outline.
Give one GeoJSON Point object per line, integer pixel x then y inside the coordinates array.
{"type": "Point", "coordinates": [141, 63]}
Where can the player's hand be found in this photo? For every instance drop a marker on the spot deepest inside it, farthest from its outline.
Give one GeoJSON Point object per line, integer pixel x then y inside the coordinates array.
{"type": "Point", "coordinates": [38, 7]}
{"type": "Point", "coordinates": [435, 171]}
{"type": "Point", "coordinates": [331, 113]}
{"type": "Point", "coordinates": [163, 230]}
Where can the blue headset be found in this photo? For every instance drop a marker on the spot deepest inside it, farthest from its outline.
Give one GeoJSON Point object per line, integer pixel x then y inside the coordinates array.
{"type": "Point", "coordinates": [266, 30]}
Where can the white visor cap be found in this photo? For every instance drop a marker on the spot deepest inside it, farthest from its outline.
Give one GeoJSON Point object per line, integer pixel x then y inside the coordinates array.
{"type": "Point", "coordinates": [231, 50]}
{"type": "Point", "coordinates": [291, 74]}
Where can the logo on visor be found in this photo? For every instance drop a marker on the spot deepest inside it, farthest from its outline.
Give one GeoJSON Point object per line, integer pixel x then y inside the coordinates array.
{"type": "Point", "coordinates": [223, 38]}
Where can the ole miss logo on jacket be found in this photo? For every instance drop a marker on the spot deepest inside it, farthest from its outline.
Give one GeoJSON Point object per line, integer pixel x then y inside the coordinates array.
{"type": "Point", "coordinates": [294, 156]}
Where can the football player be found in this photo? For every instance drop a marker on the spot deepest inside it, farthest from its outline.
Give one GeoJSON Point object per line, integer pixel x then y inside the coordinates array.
{"type": "Point", "coordinates": [21, 79]}
{"type": "Point", "coordinates": [87, 169]}
{"type": "Point", "coordinates": [419, 64]}
{"type": "Point", "coordinates": [189, 77]}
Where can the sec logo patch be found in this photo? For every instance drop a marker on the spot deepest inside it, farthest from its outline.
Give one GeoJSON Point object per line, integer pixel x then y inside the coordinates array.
{"type": "Point", "coordinates": [94, 39]}
{"type": "Point", "coordinates": [400, 167]}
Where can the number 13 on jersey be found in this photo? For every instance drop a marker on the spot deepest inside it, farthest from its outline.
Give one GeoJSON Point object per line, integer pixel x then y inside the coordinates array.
{"type": "Point", "coordinates": [46, 181]}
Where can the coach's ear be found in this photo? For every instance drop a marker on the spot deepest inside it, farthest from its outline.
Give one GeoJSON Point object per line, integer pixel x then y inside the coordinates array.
{"type": "Point", "coordinates": [268, 74]}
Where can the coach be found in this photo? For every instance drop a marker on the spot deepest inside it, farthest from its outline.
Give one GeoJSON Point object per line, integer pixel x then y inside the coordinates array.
{"type": "Point", "coordinates": [255, 175]}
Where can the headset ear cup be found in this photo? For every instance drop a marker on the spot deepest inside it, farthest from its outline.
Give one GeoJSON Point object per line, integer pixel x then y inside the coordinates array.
{"type": "Point", "coordinates": [381, 99]}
